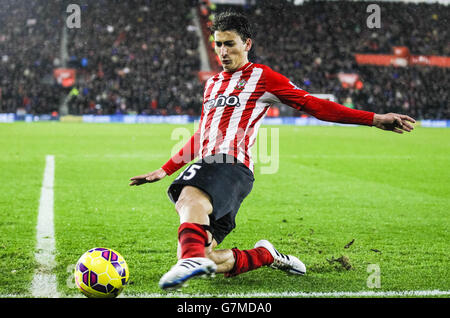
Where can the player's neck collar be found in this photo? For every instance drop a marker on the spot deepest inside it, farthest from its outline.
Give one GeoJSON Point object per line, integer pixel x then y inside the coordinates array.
{"type": "Point", "coordinates": [243, 67]}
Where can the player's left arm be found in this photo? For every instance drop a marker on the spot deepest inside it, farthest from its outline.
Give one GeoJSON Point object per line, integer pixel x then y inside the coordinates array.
{"type": "Point", "coordinates": [326, 110]}
{"type": "Point", "coordinates": [334, 112]}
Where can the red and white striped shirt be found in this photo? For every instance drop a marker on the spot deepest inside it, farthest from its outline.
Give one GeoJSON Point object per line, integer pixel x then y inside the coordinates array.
{"type": "Point", "coordinates": [234, 104]}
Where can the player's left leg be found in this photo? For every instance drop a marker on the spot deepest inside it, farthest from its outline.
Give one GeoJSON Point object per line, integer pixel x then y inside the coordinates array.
{"type": "Point", "coordinates": [233, 262]}
{"type": "Point", "coordinates": [223, 258]}
{"type": "Point", "coordinates": [197, 244]}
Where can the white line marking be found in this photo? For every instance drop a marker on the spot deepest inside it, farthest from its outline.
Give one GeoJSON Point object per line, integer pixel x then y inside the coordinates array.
{"type": "Point", "coordinates": [360, 294]}
{"type": "Point", "coordinates": [411, 293]}
{"type": "Point", "coordinates": [44, 281]}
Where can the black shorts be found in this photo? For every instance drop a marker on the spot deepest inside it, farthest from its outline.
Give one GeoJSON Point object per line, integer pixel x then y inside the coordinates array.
{"type": "Point", "coordinates": [227, 182]}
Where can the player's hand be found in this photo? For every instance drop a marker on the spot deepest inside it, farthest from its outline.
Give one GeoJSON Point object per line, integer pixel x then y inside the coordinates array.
{"type": "Point", "coordinates": [394, 122]}
{"type": "Point", "coordinates": [148, 178]}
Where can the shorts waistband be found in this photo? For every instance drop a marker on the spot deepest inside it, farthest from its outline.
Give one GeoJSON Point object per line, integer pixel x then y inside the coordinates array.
{"type": "Point", "coordinates": [221, 158]}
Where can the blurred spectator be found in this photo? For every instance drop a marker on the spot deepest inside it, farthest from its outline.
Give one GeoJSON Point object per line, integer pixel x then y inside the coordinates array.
{"type": "Point", "coordinates": [29, 50]}
{"type": "Point", "coordinates": [313, 42]}
{"type": "Point", "coordinates": [136, 57]}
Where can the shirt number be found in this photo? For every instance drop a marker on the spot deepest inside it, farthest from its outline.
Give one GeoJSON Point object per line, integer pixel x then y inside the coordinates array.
{"type": "Point", "coordinates": [189, 173]}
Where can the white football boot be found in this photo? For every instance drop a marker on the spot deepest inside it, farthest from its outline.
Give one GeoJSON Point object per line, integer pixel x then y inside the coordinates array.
{"type": "Point", "coordinates": [287, 263]}
{"type": "Point", "coordinates": [185, 269]}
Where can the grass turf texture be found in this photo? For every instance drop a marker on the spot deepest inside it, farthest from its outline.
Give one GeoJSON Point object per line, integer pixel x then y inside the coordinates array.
{"type": "Point", "coordinates": [387, 193]}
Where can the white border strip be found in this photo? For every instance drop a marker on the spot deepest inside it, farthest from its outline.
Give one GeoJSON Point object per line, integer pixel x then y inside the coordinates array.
{"type": "Point", "coordinates": [44, 281]}
{"type": "Point", "coordinates": [412, 293]}
{"type": "Point", "coordinates": [360, 294]}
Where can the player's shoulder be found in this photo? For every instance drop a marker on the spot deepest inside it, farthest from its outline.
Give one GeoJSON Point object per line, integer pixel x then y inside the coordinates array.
{"type": "Point", "coordinates": [264, 67]}
{"type": "Point", "coordinates": [267, 70]}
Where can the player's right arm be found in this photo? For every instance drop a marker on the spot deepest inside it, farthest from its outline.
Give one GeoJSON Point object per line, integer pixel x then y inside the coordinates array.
{"type": "Point", "coordinates": [148, 177]}
{"type": "Point", "coordinates": [184, 156]}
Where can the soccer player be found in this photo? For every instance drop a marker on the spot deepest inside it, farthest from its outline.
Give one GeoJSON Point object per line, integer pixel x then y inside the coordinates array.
{"type": "Point", "coordinates": [208, 194]}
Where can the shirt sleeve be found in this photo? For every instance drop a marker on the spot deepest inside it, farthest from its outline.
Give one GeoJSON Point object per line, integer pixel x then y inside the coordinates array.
{"type": "Point", "coordinates": [184, 156]}
{"type": "Point", "coordinates": [288, 93]}
{"type": "Point", "coordinates": [187, 153]}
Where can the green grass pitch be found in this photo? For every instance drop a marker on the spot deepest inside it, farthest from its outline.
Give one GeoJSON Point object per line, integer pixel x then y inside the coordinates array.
{"type": "Point", "coordinates": [343, 199]}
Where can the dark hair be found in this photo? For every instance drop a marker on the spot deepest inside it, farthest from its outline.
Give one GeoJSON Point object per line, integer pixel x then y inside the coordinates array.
{"type": "Point", "coordinates": [232, 21]}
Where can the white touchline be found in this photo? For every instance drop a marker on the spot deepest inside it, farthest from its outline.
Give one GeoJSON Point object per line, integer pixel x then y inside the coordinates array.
{"type": "Point", "coordinates": [44, 280]}
{"type": "Point", "coordinates": [337, 294]}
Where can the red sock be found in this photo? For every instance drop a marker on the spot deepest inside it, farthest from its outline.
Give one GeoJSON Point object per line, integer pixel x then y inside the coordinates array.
{"type": "Point", "coordinates": [192, 238]}
{"type": "Point", "coordinates": [249, 260]}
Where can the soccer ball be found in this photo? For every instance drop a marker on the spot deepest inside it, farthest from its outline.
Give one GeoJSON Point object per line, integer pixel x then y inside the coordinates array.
{"type": "Point", "coordinates": [101, 273]}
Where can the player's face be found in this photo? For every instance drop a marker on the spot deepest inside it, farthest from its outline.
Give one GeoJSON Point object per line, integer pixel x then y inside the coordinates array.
{"type": "Point", "coordinates": [232, 51]}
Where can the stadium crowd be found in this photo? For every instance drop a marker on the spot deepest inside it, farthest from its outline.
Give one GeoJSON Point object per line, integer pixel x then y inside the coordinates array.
{"type": "Point", "coordinates": [141, 56]}
{"type": "Point", "coordinates": [312, 43]}
{"type": "Point", "coordinates": [29, 50]}
{"type": "Point", "coordinates": [136, 57]}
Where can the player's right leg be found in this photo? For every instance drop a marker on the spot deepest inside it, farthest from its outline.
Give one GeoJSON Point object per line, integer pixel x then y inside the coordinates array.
{"type": "Point", "coordinates": [226, 183]}
{"type": "Point", "coordinates": [193, 207]}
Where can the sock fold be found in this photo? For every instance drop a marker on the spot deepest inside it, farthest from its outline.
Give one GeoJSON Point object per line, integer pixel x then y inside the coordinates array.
{"type": "Point", "coordinates": [192, 238]}
{"type": "Point", "coordinates": [248, 260]}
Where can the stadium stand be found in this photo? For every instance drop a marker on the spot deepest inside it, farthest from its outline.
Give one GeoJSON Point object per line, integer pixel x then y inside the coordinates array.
{"type": "Point", "coordinates": [141, 56]}
{"type": "Point", "coordinates": [312, 43]}
{"type": "Point", "coordinates": [29, 50]}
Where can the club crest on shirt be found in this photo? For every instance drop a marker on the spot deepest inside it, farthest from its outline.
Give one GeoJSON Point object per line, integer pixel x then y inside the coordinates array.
{"type": "Point", "coordinates": [240, 85]}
